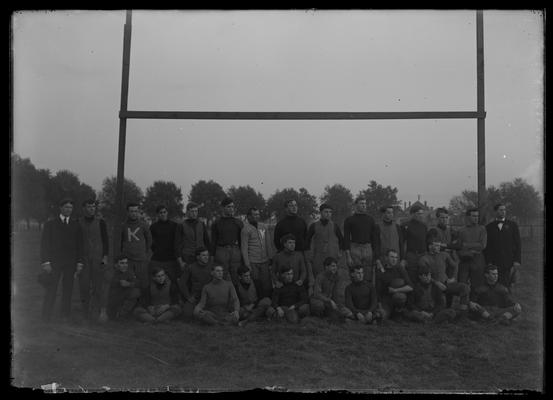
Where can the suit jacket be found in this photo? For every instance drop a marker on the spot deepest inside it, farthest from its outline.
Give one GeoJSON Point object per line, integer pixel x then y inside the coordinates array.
{"type": "Point", "coordinates": [503, 246]}
{"type": "Point", "coordinates": [62, 244]}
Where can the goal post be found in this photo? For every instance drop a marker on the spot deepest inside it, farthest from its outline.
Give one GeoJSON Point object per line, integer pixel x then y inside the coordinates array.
{"type": "Point", "coordinates": [124, 114]}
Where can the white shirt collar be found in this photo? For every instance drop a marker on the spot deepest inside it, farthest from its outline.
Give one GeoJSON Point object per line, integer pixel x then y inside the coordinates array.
{"type": "Point", "coordinates": [62, 218]}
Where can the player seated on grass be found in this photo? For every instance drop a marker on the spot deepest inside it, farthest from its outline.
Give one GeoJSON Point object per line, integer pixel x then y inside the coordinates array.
{"type": "Point", "coordinates": [290, 301]}
{"type": "Point", "coordinates": [492, 301]}
{"type": "Point", "coordinates": [392, 285]}
{"type": "Point", "coordinates": [122, 291]}
{"type": "Point", "coordinates": [194, 277]}
{"type": "Point", "coordinates": [427, 301]}
{"type": "Point", "coordinates": [251, 307]}
{"type": "Point", "coordinates": [159, 302]}
{"type": "Point", "coordinates": [361, 297]}
{"type": "Point", "coordinates": [289, 257]}
{"type": "Point", "coordinates": [325, 292]}
{"type": "Point", "coordinates": [219, 304]}
{"type": "Point", "coordinates": [444, 273]}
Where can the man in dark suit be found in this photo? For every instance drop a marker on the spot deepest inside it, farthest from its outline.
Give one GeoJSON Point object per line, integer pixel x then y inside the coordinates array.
{"type": "Point", "coordinates": [503, 247]}
{"type": "Point", "coordinates": [61, 253]}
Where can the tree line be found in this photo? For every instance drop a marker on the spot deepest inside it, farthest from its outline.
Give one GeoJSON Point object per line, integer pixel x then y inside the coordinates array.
{"type": "Point", "coordinates": [36, 193]}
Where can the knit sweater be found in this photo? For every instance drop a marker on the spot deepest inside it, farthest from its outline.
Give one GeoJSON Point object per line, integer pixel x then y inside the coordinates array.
{"type": "Point", "coordinates": [246, 293]}
{"type": "Point", "coordinates": [287, 259]}
{"type": "Point", "coordinates": [95, 237]}
{"type": "Point", "coordinates": [190, 235]}
{"type": "Point", "coordinates": [156, 294]}
{"type": "Point", "coordinates": [426, 297]}
{"type": "Point", "coordinates": [384, 279]}
{"type": "Point", "coordinates": [118, 276]}
{"type": "Point", "coordinates": [193, 279]}
{"type": "Point", "coordinates": [313, 233]}
{"type": "Point", "coordinates": [445, 235]}
{"type": "Point", "coordinates": [390, 237]}
{"type": "Point", "coordinates": [294, 225]}
{"type": "Point", "coordinates": [441, 264]}
{"type": "Point", "coordinates": [226, 231]}
{"type": "Point", "coordinates": [136, 240]}
{"type": "Point", "coordinates": [163, 240]}
{"type": "Point", "coordinates": [361, 228]}
{"type": "Point", "coordinates": [326, 286]}
{"type": "Point", "coordinates": [219, 296]}
{"type": "Point", "coordinates": [360, 296]}
{"type": "Point", "coordinates": [472, 237]}
{"type": "Point", "coordinates": [414, 235]}
{"type": "Point", "coordinates": [255, 243]}
{"type": "Point", "coordinates": [288, 295]}
{"type": "Point", "coordinates": [492, 295]}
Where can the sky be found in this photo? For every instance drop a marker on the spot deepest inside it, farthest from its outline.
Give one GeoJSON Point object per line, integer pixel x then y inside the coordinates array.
{"type": "Point", "coordinates": [67, 89]}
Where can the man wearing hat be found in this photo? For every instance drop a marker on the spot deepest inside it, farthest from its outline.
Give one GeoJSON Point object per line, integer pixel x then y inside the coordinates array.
{"type": "Point", "coordinates": [61, 253]}
{"type": "Point", "coordinates": [225, 238]}
{"type": "Point", "coordinates": [324, 239]}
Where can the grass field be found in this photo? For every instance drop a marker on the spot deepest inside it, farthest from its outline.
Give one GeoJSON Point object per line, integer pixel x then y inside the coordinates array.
{"type": "Point", "coordinates": [312, 356]}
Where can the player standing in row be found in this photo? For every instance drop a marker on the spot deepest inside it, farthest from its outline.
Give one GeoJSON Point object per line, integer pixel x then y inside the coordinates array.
{"type": "Point", "coordinates": [361, 239]}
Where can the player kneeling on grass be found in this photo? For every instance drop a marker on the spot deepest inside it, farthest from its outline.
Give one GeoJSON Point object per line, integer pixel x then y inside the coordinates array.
{"type": "Point", "coordinates": [219, 304]}
{"type": "Point", "coordinates": [492, 300]}
{"type": "Point", "coordinates": [392, 285]}
{"type": "Point", "coordinates": [325, 292]}
{"type": "Point", "coordinates": [122, 292]}
{"type": "Point", "coordinates": [251, 307]}
{"type": "Point", "coordinates": [444, 274]}
{"type": "Point", "coordinates": [427, 301]}
{"type": "Point", "coordinates": [361, 297]}
{"type": "Point", "coordinates": [290, 301]}
{"type": "Point", "coordinates": [194, 277]}
{"type": "Point", "coordinates": [159, 302]}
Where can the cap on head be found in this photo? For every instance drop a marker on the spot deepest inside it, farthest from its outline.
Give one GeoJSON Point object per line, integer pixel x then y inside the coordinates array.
{"type": "Point", "coordinates": [191, 205]}
{"type": "Point", "coordinates": [416, 208]}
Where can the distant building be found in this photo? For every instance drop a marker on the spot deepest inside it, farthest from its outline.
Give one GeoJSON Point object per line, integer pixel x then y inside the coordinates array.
{"type": "Point", "coordinates": [402, 215]}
